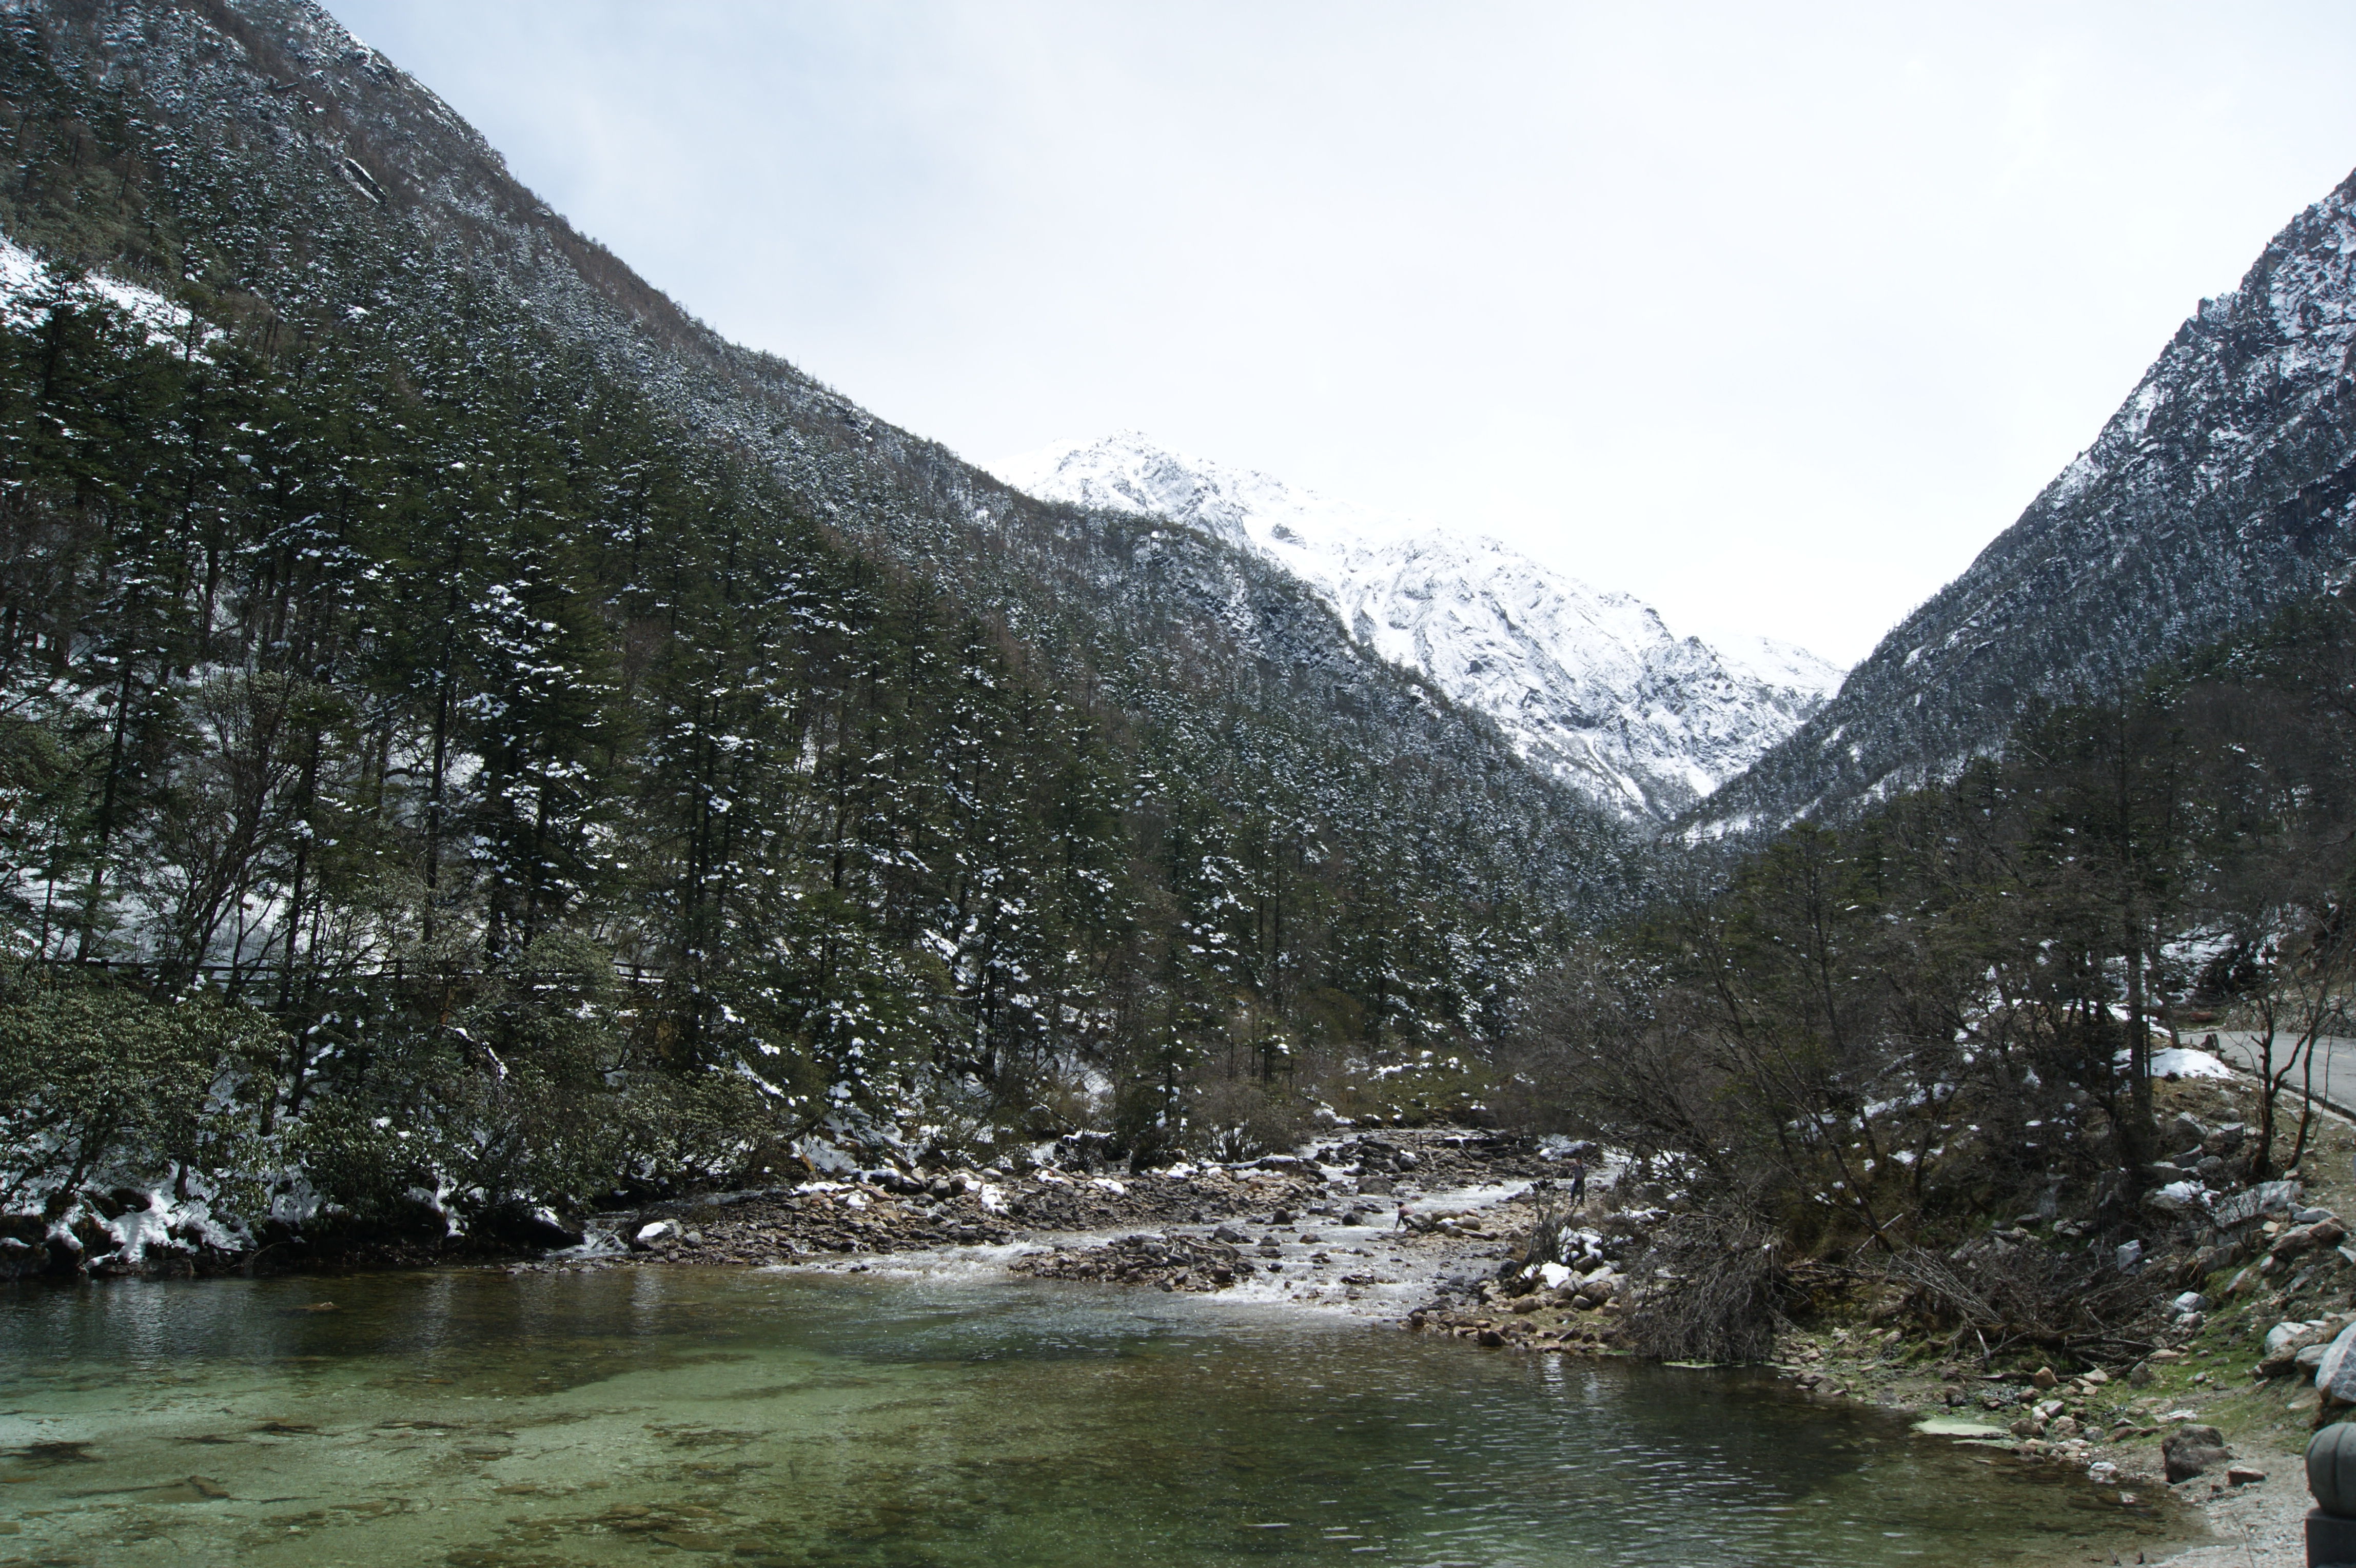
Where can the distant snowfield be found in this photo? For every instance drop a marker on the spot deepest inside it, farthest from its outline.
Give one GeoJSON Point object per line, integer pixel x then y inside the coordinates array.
{"type": "Point", "coordinates": [1590, 685]}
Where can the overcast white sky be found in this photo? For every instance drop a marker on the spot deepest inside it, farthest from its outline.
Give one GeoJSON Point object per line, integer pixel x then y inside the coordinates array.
{"type": "Point", "coordinates": [1772, 314]}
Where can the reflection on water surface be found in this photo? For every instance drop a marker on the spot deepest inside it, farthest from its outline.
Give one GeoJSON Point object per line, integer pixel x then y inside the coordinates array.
{"type": "Point", "coordinates": [637, 1415]}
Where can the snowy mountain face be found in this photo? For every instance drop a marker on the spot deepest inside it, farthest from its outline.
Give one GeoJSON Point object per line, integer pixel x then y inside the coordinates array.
{"type": "Point", "coordinates": [2222, 490]}
{"type": "Point", "coordinates": [1589, 685]}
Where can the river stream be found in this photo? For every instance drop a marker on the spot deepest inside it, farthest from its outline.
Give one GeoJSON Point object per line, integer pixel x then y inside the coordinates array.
{"type": "Point", "coordinates": [951, 1418]}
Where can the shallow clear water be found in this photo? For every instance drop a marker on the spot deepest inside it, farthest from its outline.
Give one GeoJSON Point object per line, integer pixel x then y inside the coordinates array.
{"type": "Point", "coordinates": [651, 1414]}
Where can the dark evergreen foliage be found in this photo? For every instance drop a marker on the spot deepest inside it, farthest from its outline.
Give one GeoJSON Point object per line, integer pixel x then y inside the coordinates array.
{"type": "Point", "coordinates": [1943, 1014]}
{"type": "Point", "coordinates": [605, 754]}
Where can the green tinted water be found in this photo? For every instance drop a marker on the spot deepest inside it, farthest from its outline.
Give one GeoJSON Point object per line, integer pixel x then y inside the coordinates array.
{"type": "Point", "coordinates": [707, 1415]}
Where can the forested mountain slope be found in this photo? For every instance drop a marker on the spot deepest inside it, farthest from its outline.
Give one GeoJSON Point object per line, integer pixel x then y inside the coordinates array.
{"type": "Point", "coordinates": [2221, 490]}
{"type": "Point", "coordinates": [1590, 686]}
{"type": "Point", "coordinates": [431, 632]}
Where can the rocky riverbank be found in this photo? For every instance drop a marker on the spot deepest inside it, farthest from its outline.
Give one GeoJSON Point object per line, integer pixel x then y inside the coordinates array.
{"type": "Point", "coordinates": [1432, 1229]}
{"type": "Point", "coordinates": [1327, 1230]}
{"type": "Point", "coordinates": [2208, 1401]}
{"type": "Point", "coordinates": [1353, 1183]}
{"type": "Point", "coordinates": [1423, 1228]}
{"type": "Point", "coordinates": [1375, 1223]}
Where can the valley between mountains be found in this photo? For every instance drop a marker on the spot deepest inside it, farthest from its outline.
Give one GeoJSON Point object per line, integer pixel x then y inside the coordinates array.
{"type": "Point", "coordinates": [494, 775]}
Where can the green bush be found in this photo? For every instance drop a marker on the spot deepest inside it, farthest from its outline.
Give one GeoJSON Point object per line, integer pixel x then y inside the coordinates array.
{"type": "Point", "coordinates": [97, 1080]}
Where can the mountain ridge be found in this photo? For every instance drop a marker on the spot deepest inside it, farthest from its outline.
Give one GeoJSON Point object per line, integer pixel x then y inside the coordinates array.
{"type": "Point", "coordinates": [2222, 489]}
{"type": "Point", "coordinates": [1590, 686]}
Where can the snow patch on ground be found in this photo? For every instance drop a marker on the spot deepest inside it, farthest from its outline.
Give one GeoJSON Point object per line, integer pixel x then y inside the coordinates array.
{"type": "Point", "coordinates": [2186, 1062]}
{"type": "Point", "coordinates": [28, 283]}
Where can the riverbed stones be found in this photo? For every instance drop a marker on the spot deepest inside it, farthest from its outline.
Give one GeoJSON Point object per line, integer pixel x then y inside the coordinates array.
{"type": "Point", "coordinates": [2190, 1451]}
{"type": "Point", "coordinates": [1172, 1263]}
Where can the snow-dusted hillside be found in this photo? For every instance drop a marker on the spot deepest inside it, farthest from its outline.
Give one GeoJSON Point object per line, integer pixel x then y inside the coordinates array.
{"type": "Point", "coordinates": [2222, 490]}
{"type": "Point", "coordinates": [1590, 685]}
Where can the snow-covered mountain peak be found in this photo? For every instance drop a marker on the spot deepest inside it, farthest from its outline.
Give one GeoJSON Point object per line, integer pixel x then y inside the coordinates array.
{"type": "Point", "coordinates": [1778, 663]}
{"type": "Point", "coordinates": [1127, 471]}
{"type": "Point", "coordinates": [1589, 684]}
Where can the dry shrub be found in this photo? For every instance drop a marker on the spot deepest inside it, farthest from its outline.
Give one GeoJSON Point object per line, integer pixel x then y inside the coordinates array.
{"type": "Point", "coordinates": [1994, 1296]}
{"type": "Point", "coordinates": [1717, 1301]}
{"type": "Point", "coordinates": [1237, 1119]}
{"type": "Point", "coordinates": [1549, 1236]}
